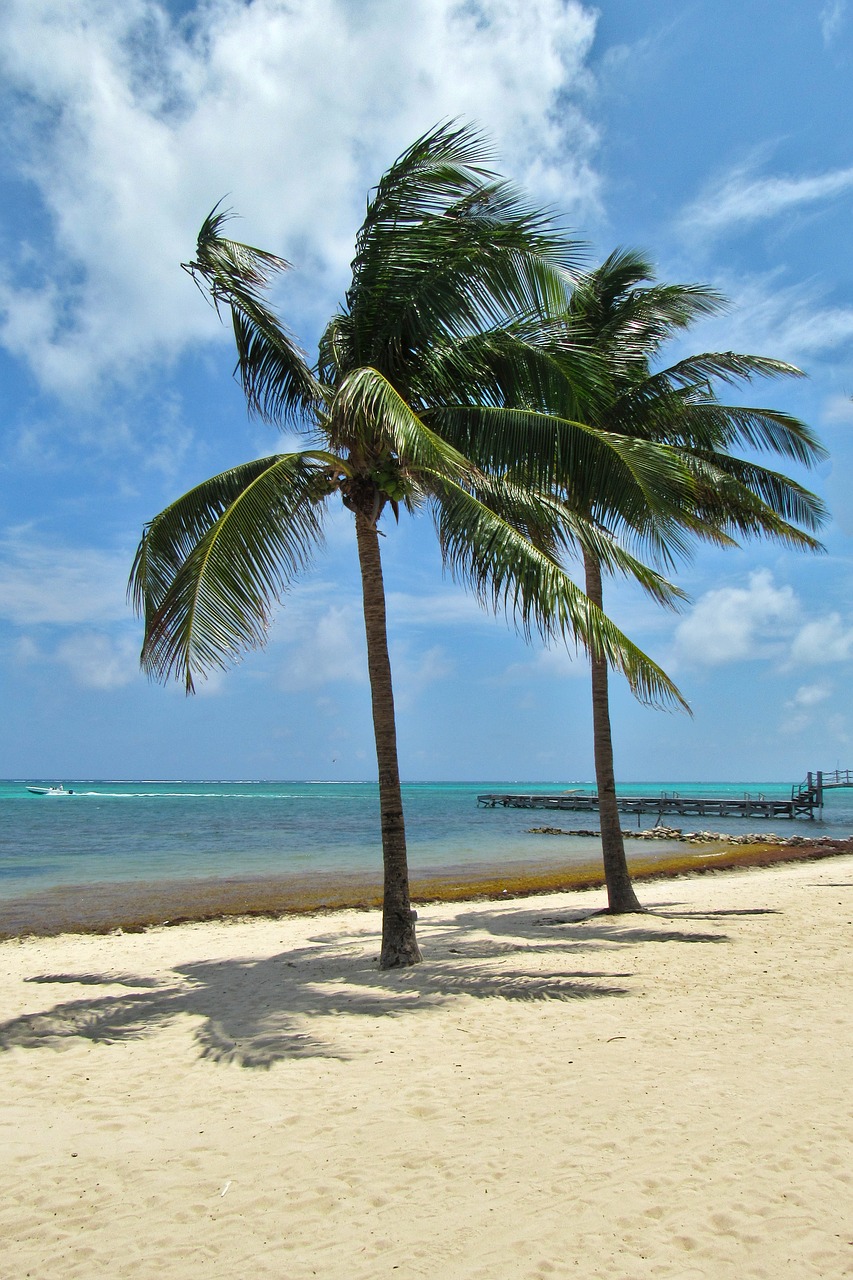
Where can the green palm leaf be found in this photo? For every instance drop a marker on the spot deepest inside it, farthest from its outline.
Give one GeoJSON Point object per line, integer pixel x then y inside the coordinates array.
{"type": "Point", "coordinates": [210, 568]}
{"type": "Point", "coordinates": [559, 529]}
{"type": "Point", "coordinates": [508, 573]}
{"type": "Point", "coordinates": [374, 417]}
{"type": "Point", "coordinates": [752, 501]}
{"type": "Point", "coordinates": [276, 379]}
{"type": "Point", "coordinates": [548, 452]}
{"type": "Point", "coordinates": [760, 429]}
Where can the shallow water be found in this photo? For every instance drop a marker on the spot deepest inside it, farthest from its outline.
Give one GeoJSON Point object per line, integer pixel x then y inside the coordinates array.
{"type": "Point", "coordinates": [111, 832]}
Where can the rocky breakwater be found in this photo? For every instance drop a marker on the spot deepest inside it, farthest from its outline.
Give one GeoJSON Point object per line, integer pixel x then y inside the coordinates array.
{"type": "Point", "coordinates": [703, 837]}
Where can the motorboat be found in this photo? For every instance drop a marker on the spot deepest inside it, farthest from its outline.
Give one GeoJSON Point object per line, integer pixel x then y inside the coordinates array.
{"type": "Point", "coordinates": [58, 790]}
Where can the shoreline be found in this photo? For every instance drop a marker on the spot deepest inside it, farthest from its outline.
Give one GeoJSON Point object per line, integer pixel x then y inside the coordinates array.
{"type": "Point", "coordinates": [134, 906]}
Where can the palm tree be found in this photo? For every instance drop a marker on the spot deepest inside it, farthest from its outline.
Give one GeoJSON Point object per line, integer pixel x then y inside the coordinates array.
{"type": "Point", "coordinates": [627, 317]}
{"type": "Point", "coordinates": [407, 406]}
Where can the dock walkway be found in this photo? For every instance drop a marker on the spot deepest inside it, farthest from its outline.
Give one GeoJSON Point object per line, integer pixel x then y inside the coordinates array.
{"type": "Point", "coordinates": [806, 796]}
{"type": "Point", "coordinates": [693, 806]}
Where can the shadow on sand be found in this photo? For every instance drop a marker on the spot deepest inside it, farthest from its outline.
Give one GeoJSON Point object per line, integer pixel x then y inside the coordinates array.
{"type": "Point", "coordinates": [258, 1012]}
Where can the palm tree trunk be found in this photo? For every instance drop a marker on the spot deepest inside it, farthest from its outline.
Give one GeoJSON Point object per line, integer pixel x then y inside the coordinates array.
{"type": "Point", "coordinates": [399, 944]}
{"type": "Point", "coordinates": [620, 892]}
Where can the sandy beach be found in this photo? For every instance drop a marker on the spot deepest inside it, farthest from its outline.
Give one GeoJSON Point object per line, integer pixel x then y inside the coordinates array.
{"type": "Point", "coordinates": [552, 1093]}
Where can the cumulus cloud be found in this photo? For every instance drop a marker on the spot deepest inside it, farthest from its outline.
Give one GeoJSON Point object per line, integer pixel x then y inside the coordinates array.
{"type": "Point", "coordinates": [734, 624]}
{"type": "Point", "coordinates": [741, 197]}
{"type": "Point", "coordinates": [823, 640]}
{"type": "Point", "coordinates": [810, 695]}
{"type": "Point", "coordinates": [762, 620]}
{"type": "Point", "coordinates": [130, 121]}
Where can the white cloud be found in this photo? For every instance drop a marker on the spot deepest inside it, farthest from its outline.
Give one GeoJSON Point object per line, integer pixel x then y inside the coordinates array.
{"type": "Point", "coordinates": [823, 640]}
{"type": "Point", "coordinates": [61, 585]}
{"type": "Point", "coordinates": [735, 624]}
{"type": "Point", "coordinates": [414, 671]}
{"type": "Point", "coordinates": [765, 621]}
{"type": "Point", "coordinates": [99, 661]}
{"type": "Point", "coordinates": [740, 198]}
{"type": "Point", "coordinates": [552, 662]}
{"type": "Point", "coordinates": [802, 707]}
{"type": "Point", "coordinates": [446, 608]}
{"type": "Point", "coordinates": [130, 123]}
{"type": "Point", "coordinates": [831, 18]}
{"type": "Point", "coordinates": [324, 644]}
{"type": "Point", "coordinates": [810, 695]}
{"type": "Point", "coordinates": [789, 322]}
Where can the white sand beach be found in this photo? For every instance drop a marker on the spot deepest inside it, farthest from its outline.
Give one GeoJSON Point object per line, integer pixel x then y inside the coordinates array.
{"type": "Point", "coordinates": [550, 1094]}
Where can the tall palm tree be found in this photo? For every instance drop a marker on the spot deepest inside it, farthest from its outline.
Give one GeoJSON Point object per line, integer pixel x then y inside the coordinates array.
{"type": "Point", "coordinates": [407, 406]}
{"type": "Point", "coordinates": [627, 317]}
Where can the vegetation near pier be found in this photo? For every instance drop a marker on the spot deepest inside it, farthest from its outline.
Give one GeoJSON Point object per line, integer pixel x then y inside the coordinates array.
{"type": "Point", "coordinates": [471, 373]}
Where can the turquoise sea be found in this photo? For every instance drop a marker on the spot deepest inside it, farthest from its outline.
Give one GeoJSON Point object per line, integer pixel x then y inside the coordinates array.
{"type": "Point", "coordinates": [153, 832]}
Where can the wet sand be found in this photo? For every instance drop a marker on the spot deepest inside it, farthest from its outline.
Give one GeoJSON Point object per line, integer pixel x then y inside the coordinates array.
{"type": "Point", "coordinates": [553, 1093]}
{"type": "Point", "coordinates": [133, 905]}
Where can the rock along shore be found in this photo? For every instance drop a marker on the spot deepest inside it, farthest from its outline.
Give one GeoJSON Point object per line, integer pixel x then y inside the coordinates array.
{"type": "Point", "coordinates": [700, 837]}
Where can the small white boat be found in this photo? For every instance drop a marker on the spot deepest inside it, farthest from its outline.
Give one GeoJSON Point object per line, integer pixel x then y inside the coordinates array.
{"type": "Point", "coordinates": [58, 790]}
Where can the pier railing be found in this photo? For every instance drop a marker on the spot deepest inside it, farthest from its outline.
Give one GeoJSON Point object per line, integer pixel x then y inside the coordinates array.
{"type": "Point", "coordinates": [837, 778]}
{"type": "Point", "coordinates": [747, 806]}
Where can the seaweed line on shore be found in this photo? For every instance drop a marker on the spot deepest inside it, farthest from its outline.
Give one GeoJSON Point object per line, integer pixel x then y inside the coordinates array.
{"type": "Point", "coordinates": [129, 907]}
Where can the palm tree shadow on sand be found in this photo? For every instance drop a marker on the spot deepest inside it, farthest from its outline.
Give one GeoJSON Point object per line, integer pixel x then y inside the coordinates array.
{"type": "Point", "coordinates": [258, 1012]}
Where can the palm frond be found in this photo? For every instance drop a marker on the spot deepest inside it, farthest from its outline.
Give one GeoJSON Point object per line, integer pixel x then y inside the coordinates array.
{"type": "Point", "coordinates": [375, 418]}
{"type": "Point", "coordinates": [731, 367]}
{"type": "Point", "coordinates": [753, 500]}
{"type": "Point", "coordinates": [276, 378]}
{"type": "Point", "coordinates": [508, 573]}
{"type": "Point", "coordinates": [760, 429]}
{"type": "Point", "coordinates": [548, 452]}
{"type": "Point", "coordinates": [210, 567]}
{"type": "Point", "coordinates": [561, 530]}
{"type": "Point", "coordinates": [528, 362]}
{"type": "Point", "coordinates": [629, 314]}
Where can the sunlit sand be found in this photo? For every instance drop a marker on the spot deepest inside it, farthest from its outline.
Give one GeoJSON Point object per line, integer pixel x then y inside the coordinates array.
{"type": "Point", "coordinates": [552, 1093]}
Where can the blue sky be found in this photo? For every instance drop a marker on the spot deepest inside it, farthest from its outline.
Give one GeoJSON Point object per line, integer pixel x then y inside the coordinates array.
{"type": "Point", "coordinates": [715, 136]}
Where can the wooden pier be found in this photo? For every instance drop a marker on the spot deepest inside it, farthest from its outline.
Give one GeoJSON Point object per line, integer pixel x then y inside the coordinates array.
{"type": "Point", "coordinates": [806, 797]}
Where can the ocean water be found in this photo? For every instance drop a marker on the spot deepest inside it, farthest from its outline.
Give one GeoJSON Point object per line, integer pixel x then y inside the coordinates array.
{"type": "Point", "coordinates": [151, 832]}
